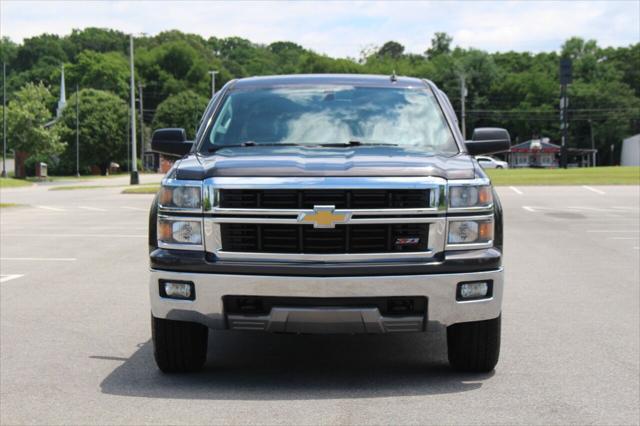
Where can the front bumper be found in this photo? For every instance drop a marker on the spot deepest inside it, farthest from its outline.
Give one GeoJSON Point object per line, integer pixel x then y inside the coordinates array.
{"type": "Point", "coordinates": [439, 289]}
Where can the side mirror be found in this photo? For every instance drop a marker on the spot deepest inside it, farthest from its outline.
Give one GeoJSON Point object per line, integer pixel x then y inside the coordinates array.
{"type": "Point", "coordinates": [171, 142]}
{"type": "Point", "coordinates": [488, 140]}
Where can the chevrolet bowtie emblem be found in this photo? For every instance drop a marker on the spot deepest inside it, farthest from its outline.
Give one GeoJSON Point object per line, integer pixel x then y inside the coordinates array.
{"type": "Point", "coordinates": [324, 217]}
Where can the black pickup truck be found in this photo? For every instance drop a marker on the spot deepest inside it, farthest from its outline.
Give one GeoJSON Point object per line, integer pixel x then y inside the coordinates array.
{"type": "Point", "coordinates": [327, 204]}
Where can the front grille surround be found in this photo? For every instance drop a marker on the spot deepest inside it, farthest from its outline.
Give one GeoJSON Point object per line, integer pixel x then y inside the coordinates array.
{"type": "Point", "coordinates": [266, 218]}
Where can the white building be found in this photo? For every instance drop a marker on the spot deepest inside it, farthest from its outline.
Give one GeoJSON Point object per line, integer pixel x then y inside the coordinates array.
{"type": "Point", "coordinates": [630, 155]}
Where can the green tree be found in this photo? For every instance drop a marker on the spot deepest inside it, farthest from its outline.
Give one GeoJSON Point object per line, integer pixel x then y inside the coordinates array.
{"type": "Point", "coordinates": [182, 110]}
{"type": "Point", "coordinates": [391, 49]}
{"type": "Point", "coordinates": [27, 114]}
{"type": "Point", "coordinates": [440, 45]}
{"type": "Point", "coordinates": [103, 122]}
{"type": "Point", "coordinates": [102, 71]}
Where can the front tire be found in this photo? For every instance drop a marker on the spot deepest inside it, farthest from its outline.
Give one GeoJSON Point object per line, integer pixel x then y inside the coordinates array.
{"type": "Point", "coordinates": [179, 346]}
{"type": "Point", "coordinates": [474, 346]}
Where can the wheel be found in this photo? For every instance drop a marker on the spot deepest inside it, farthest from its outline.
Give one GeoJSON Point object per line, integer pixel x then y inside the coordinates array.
{"type": "Point", "coordinates": [498, 167]}
{"type": "Point", "coordinates": [179, 346]}
{"type": "Point", "coordinates": [474, 346]}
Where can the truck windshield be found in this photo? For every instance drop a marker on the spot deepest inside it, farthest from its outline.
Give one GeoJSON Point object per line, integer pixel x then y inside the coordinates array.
{"type": "Point", "coordinates": [331, 115]}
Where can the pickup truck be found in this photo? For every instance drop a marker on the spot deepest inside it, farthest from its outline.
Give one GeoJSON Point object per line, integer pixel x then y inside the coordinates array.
{"type": "Point", "coordinates": [327, 204]}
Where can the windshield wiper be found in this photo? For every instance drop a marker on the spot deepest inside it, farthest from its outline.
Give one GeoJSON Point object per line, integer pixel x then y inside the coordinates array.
{"type": "Point", "coordinates": [357, 143]}
{"type": "Point", "coordinates": [215, 148]}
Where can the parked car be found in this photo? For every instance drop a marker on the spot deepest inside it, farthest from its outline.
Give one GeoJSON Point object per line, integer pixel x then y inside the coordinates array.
{"type": "Point", "coordinates": [327, 204]}
{"type": "Point", "coordinates": [491, 163]}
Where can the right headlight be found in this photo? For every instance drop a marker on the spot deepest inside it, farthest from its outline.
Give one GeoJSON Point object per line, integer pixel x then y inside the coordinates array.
{"type": "Point", "coordinates": [179, 232]}
{"type": "Point", "coordinates": [180, 197]}
{"type": "Point", "coordinates": [470, 196]}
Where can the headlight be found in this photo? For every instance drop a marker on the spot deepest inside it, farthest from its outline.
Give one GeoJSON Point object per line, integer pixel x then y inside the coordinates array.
{"type": "Point", "coordinates": [470, 231]}
{"type": "Point", "coordinates": [180, 197]}
{"type": "Point", "coordinates": [179, 231]}
{"type": "Point", "coordinates": [470, 196]}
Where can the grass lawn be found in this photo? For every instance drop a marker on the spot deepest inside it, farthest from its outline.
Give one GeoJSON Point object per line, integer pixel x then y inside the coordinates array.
{"type": "Point", "coordinates": [577, 176]}
{"type": "Point", "coordinates": [142, 189]}
{"type": "Point", "coordinates": [4, 205]}
{"type": "Point", "coordinates": [13, 183]}
{"type": "Point", "coordinates": [74, 187]}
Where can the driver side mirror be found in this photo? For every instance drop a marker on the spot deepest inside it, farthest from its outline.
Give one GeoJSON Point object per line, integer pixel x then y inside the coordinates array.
{"type": "Point", "coordinates": [171, 142]}
{"type": "Point", "coordinates": [488, 140]}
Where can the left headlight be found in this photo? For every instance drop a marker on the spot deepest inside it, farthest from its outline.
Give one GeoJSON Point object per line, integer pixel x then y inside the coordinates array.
{"type": "Point", "coordinates": [182, 231]}
{"type": "Point", "coordinates": [180, 197]}
{"type": "Point", "coordinates": [465, 196]}
{"type": "Point", "coordinates": [472, 231]}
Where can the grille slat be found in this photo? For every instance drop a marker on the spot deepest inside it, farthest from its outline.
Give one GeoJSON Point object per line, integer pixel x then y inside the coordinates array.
{"type": "Point", "coordinates": [277, 238]}
{"type": "Point", "coordinates": [340, 198]}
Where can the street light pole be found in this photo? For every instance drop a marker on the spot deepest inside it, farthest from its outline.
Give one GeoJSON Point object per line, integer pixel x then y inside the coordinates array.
{"type": "Point", "coordinates": [463, 115]}
{"type": "Point", "coordinates": [4, 119]}
{"type": "Point", "coordinates": [213, 81]}
{"type": "Point", "coordinates": [77, 130]}
{"type": "Point", "coordinates": [140, 86]}
{"type": "Point", "coordinates": [135, 179]}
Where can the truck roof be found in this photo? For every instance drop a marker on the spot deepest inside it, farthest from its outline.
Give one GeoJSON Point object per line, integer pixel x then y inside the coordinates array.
{"type": "Point", "coordinates": [358, 80]}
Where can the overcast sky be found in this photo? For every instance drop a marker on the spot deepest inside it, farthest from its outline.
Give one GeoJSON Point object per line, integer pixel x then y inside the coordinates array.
{"type": "Point", "coordinates": [343, 28]}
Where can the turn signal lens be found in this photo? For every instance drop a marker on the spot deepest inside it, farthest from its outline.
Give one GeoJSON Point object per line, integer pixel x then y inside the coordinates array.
{"type": "Point", "coordinates": [179, 231]}
{"type": "Point", "coordinates": [470, 231]}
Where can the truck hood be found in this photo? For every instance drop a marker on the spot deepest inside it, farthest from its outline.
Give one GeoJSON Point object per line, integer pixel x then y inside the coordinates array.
{"type": "Point", "coordinates": [322, 161]}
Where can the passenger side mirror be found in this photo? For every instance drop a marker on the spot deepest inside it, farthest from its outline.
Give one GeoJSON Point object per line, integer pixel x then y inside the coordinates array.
{"type": "Point", "coordinates": [171, 142]}
{"type": "Point", "coordinates": [488, 140]}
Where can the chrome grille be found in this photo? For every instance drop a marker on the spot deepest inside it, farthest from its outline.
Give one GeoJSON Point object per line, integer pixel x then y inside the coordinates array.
{"type": "Point", "coordinates": [308, 198]}
{"type": "Point", "coordinates": [273, 238]}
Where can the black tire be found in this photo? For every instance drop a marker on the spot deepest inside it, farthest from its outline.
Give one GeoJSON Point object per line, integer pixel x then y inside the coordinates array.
{"type": "Point", "coordinates": [498, 167]}
{"type": "Point", "coordinates": [179, 346]}
{"type": "Point", "coordinates": [474, 346]}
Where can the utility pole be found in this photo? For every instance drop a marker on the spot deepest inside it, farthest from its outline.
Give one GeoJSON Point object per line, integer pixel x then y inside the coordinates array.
{"type": "Point", "coordinates": [463, 97]}
{"type": "Point", "coordinates": [140, 86]}
{"type": "Point", "coordinates": [4, 119]}
{"type": "Point", "coordinates": [135, 179]}
{"type": "Point", "coordinates": [565, 80]}
{"type": "Point", "coordinates": [593, 144]}
{"type": "Point", "coordinates": [213, 81]}
{"type": "Point", "coordinates": [77, 130]}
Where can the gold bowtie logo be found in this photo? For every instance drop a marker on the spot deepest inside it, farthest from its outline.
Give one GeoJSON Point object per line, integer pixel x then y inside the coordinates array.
{"type": "Point", "coordinates": [324, 217]}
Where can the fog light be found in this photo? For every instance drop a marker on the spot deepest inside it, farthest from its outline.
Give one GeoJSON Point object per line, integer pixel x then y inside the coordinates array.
{"type": "Point", "coordinates": [177, 290]}
{"type": "Point", "coordinates": [475, 290]}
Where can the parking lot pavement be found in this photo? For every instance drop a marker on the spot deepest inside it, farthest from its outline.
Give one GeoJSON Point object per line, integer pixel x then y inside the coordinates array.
{"type": "Point", "coordinates": [75, 339]}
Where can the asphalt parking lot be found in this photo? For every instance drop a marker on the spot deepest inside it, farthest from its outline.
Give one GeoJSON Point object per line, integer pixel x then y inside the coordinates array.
{"type": "Point", "coordinates": [75, 338]}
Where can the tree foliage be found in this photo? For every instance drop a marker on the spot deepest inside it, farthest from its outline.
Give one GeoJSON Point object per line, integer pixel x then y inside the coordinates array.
{"type": "Point", "coordinates": [516, 90]}
{"type": "Point", "coordinates": [27, 114]}
{"type": "Point", "coordinates": [103, 130]}
{"type": "Point", "coordinates": [182, 110]}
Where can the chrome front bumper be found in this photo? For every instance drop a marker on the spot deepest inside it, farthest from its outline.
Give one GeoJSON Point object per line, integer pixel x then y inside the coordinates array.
{"type": "Point", "coordinates": [439, 289]}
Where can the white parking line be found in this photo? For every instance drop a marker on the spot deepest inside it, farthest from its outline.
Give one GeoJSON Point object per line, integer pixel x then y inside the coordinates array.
{"type": "Point", "coordinates": [614, 230]}
{"type": "Point", "coordinates": [625, 208]}
{"type": "Point", "coordinates": [6, 277]}
{"type": "Point", "coordinates": [516, 190]}
{"type": "Point", "coordinates": [41, 259]}
{"type": "Point", "coordinates": [95, 209]}
{"type": "Point", "coordinates": [529, 209]}
{"type": "Point", "coordinates": [55, 209]}
{"type": "Point", "coordinates": [597, 191]}
{"type": "Point", "coordinates": [135, 208]}
{"type": "Point", "coordinates": [594, 209]}
{"type": "Point", "coordinates": [78, 235]}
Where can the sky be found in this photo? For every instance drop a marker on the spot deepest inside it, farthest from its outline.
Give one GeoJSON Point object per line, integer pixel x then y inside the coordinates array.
{"type": "Point", "coordinates": [343, 29]}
